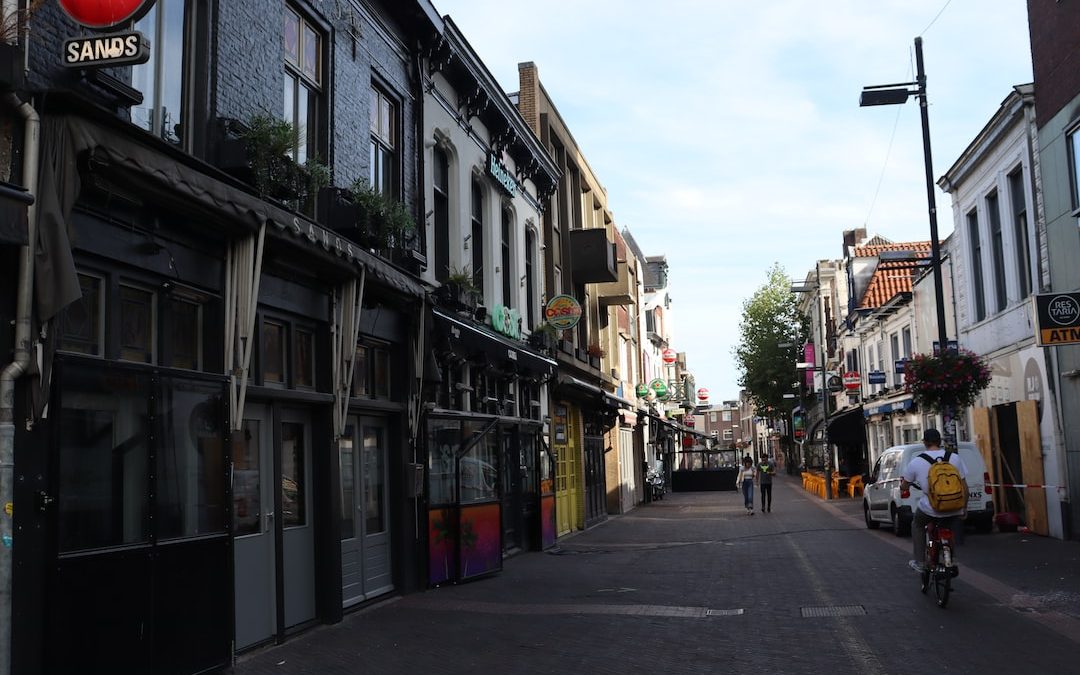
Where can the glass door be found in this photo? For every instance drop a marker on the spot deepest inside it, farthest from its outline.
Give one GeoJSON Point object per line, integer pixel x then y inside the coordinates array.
{"type": "Point", "coordinates": [254, 555]}
{"type": "Point", "coordinates": [365, 533]}
{"type": "Point", "coordinates": [297, 532]}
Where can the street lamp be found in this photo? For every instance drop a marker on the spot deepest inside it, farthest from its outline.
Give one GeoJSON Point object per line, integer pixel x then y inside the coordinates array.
{"type": "Point", "coordinates": [893, 94]}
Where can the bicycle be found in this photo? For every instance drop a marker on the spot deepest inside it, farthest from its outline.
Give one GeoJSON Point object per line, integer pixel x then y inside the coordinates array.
{"type": "Point", "coordinates": [939, 568]}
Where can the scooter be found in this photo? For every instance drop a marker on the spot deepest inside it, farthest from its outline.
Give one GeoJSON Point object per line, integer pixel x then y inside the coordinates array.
{"type": "Point", "coordinates": [656, 485]}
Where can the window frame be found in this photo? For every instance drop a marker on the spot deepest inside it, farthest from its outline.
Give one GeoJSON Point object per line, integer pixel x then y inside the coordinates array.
{"type": "Point", "coordinates": [997, 250]}
{"type": "Point", "coordinates": [389, 147]}
{"type": "Point", "coordinates": [1020, 229]}
{"type": "Point", "coordinates": [978, 298]}
{"type": "Point", "coordinates": [440, 164]}
{"type": "Point", "coordinates": [1072, 150]}
{"type": "Point", "coordinates": [188, 66]}
{"type": "Point", "coordinates": [294, 74]}
{"type": "Point", "coordinates": [102, 316]}
{"type": "Point", "coordinates": [476, 234]}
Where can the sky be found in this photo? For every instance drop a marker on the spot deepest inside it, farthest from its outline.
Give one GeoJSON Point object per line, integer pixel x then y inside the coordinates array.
{"type": "Point", "coordinates": [728, 134]}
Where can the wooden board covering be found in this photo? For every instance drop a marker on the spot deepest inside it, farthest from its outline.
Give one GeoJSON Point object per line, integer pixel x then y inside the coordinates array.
{"type": "Point", "coordinates": [1031, 462]}
{"type": "Point", "coordinates": [985, 428]}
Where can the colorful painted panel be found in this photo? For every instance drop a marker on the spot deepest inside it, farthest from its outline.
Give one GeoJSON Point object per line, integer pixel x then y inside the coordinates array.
{"type": "Point", "coordinates": [442, 547]}
{"type": "Point", "coordinates": [547, 522]}
{"type": "Point", "coordinates": [481, 539]}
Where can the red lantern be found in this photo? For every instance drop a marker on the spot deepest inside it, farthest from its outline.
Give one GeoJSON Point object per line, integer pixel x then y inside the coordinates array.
{"type": "Point", "coordinates": [104, 13]}
{"type": "Point", "coordinates": [669, 356]}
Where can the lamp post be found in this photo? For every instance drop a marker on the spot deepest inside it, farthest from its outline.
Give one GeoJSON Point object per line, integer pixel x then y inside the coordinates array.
{"type": "Point", "coordinates": [893, 94]}
{"type": "Point", "coordinates": [819, 356]}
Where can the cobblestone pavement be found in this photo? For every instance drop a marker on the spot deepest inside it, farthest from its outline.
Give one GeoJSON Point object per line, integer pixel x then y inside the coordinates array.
{"type": "Point", "coordinates": [694, 585]}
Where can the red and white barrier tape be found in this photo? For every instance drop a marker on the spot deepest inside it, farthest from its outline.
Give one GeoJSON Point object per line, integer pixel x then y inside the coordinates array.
{"type": "Point", "coordinates": [1022, 485]}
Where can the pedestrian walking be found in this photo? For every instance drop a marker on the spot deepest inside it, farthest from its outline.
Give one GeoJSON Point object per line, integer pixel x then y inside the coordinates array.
{"type": "Point", "coordinates": [745, 482]}
{"type": "Point", "coordinates": [765, 471]}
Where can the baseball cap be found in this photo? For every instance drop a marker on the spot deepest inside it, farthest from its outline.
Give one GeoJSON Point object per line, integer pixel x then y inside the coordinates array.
{"type": "Point", "coordinates": [931, 436]}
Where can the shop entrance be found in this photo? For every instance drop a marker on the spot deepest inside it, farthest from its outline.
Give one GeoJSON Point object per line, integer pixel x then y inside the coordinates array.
{"type": "Point", "coordinates": [365, 527]}
{"type": "Point", "coordinates": [595, 474]}
{"type": "Point", "coordinates": [274, 543]}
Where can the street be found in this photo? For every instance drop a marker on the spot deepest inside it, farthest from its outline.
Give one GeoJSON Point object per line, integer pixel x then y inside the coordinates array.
{"type": "Point", "coordinates": [692, 584]}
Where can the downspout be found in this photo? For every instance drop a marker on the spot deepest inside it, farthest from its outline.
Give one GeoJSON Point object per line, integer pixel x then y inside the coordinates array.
{"type": "Point", "coordinates": [16, 369]}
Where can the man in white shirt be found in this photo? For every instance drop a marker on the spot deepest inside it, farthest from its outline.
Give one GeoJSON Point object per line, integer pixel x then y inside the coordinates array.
{"type": "Point", "coordinates": [917, 472]}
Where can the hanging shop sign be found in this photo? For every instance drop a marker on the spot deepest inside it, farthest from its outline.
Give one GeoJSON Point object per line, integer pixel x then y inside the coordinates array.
{"type": "Point", "coordinates": [1058, 318]}
{"type": "Point", "coordinates": [115, 49]}
{"type": "Point", "coordinates": [105, 14]}
{"type": "Point", "coordinates": [506, 321]}
{"type": "Point", "coordinates": [642, 390]}
{"type": "Point", "coordinates": [660, 388]}
{"type": "Point", "coordinates": [876, 377]}
{"type": "Point", "coordinates": [835, 384]}
{"type": "Point", "coordinates": [502, 175]}
{"type": "Point", "coordinates": [669, 356]}
{"type": "Point", "coordinates": [852, 380]}
{"type": "Point", "coordinates": [703, 394]}
{"type": "Point", "coordinates": [562, 312]}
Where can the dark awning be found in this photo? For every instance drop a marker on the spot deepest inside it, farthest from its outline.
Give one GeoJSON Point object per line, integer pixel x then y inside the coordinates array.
{"type": "Point", "coordinates": [499, 348]}
{"type": "Point", "coordinates": [847, 427]}
{"type": "Point", "coordinates": [192, 181]}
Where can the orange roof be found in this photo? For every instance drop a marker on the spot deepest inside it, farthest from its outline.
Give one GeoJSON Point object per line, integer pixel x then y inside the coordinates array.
{"type": "Point", "coordinates": [889, 278]}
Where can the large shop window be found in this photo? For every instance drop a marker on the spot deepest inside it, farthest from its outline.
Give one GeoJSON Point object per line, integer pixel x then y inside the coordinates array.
{"type": "Point", "coordinates": [155, 327]}
{"type": "Point", "coordinates": [384, 162]}
{"type": "Point", "coordinates": [163, 80]}
{"type": "Point", "coordinates": [303, 83]}
{"type": "Point", "coordinates": [131, 444]}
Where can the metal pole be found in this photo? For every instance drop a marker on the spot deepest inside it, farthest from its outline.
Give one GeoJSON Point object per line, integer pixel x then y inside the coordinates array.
{"type": "Point", "coordinates": [824, 390]}
{"type": "Point", "coordinates": [935, 244]}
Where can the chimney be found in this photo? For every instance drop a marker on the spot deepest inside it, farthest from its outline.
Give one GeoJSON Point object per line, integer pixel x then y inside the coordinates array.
{"type": "Point", "coordinates": [528, 92]}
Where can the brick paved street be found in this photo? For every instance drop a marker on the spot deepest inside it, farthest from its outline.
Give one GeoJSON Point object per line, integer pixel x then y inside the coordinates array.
{"type": "Point", "coordinates": [693, 585]}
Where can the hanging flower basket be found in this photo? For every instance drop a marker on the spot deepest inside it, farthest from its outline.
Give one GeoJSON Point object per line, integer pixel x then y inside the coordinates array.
{"type": "Point", "coordinates": [953, 378]}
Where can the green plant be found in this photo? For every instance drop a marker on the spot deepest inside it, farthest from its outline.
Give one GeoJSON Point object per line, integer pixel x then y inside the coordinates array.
{"type": "Point", "coordinates": [951, 378]}
{"type": "Point", "coordinates": [318, 175]}
{"type": "Point", "coordinates": [269, 141]}
{"type": "Point", "coordinates": [463, 279]}
{"type": "Point", "coordinates": [596, 350]}
{"type": "Point", "coordinates": [387, 220]}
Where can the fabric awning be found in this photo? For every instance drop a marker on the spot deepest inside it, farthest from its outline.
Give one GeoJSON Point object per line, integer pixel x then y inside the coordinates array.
{"type": "Point", "coordinates": [847, 427]}
{"type": "Point", "coordinates": [501, 348]}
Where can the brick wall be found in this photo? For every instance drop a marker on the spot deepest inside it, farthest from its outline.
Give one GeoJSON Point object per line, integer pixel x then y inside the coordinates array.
{"type": "Point", "coordinates": [1055, 58]}
{"type": "Point", "coordinates": [529, 89]}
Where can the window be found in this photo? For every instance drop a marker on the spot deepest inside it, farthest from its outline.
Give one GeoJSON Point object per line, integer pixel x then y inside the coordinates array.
{"type": "Point", "coordinates": [906, 336]}
{"type": "Point", "coordinates": [383, 170]}
{"type": "Point", "coordinates": [1020, 231]}
{"type": "Point", "coordinates": [530, 280]}
{"type": "Point", "coordinates": [372, 372]}
{"type": "Point", "coordinates": [82, 329]}
{"type": "Point", "coordinates": [507, 272]}
{"type": "Point", "coordinates": [441, 206]}
{"type": "Point", "coordinates": [894, 342]}
{"type": "Point", "coordinates": [182, 334]}
{"type": "Point", "coordinates": [728, 434]}
{"type": "Point", "coordinates": [1074, 165]}
{"type": "Point", "coordinates": [997, 245]}
{"type": "Point", "coordinates": [361, 384]}
{"type": "Point", "coordinates": [293, 475]}
{"type": "Point", "coordinates": [476, 240]}
{"type": "Point", "coordinates": [162, 79]}
{"type": "Point", "coordinates": [246, 487]}
{"type": "Point", "coordinates": [726, 416]}
{"type": "Point", "coordinates": [712, 417]}
{"type": "Point", "coordinates": [136, 324]}
{"type": "Point", "coordinates": [274, 349]}
{"type": "Point", "coordinates": [304, 358]}
{"type": "Point", "coordinates": [303, 83]}
{"type": "Point", "coordinates": [979, 298]}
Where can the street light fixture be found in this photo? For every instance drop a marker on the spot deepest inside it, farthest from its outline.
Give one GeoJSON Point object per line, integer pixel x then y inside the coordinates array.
{"type": "Point", "coordinates": [820, 354]}
{"type": "Point", "coordinates": [893, 94]}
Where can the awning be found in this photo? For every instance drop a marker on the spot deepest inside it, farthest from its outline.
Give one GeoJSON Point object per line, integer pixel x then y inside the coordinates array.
{"type": "Point", "coordinates": [499, 348]}
{"type": "Point", "coordinates": [192, 183]}
{"type": "Point", "coordinates": [906, 403]}
{"type": "Point", "coordinates": [571, 382]}
{"type": "Point", "coordinates": [618, 401]}
{"type": "Point", "coordinates": [848, 427]}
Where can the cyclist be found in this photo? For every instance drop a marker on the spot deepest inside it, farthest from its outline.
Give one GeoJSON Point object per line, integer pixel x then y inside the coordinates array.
{"type": "Point", "coordinates": [917, 471]}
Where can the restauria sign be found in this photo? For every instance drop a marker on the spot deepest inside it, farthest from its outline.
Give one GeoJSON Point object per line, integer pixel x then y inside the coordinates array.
{"type": "Point", "coordinates": [103, 14]}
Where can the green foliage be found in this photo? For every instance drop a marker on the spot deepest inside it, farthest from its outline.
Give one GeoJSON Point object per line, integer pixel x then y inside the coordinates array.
{"type": "Point", "coordinates": [387, 220]}
{"type": "Point", "coordinates": [269, 142]}
{"type": "Point", "coordinates": [770, 318]}
{"type": "Point", "coordinates": [463, 278]}
{"type": "Point", "coordinates": [954, 378]}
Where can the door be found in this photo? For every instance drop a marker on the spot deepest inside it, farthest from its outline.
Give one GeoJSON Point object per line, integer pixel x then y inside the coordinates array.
{"type": "Point", "coordinates": [274, 552]}
{"type": "Point", "coordinates": [567, 468]}
{"type": "Point", "coordinates": [254, 557]}
{"type": "Point", "coordinates": [513, 466]}
{"type": "Point", "coordinates": [365, 531]}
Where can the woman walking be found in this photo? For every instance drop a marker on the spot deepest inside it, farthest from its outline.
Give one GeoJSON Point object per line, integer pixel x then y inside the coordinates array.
{"type": "Point", "coordinates": [745, 481]}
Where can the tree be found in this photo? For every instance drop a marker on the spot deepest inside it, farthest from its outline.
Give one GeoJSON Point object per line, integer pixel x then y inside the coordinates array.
{"type": "Point", "coordinates": [771, 318]}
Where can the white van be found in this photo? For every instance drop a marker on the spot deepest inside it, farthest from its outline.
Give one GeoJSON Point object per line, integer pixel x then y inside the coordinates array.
{"type": "Point", "coordinates": [882, 502]}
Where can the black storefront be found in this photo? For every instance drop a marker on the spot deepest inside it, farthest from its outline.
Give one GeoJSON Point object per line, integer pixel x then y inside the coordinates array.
{"type": "Point", "coordinates": [489, 467]}
{"type": "Point", "coordinates": [181, 494]}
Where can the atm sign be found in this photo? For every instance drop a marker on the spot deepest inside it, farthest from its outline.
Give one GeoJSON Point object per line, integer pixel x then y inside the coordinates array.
{"type": "Point", "coordinates": [1058, 318]}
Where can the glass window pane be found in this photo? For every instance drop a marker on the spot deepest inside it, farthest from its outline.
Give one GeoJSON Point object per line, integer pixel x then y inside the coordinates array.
{"type": "Point", "coordinates": [304, 375]}
{"type": "Point", "coordinates": [374, 481]}
{"type": "Point", "coordinates": [103, 486]}
{"type": "Point", "coordinates": [290, 98]}
{"type": "Point", "coordinates": [311, 54]}
{"type": "Point", "coordinates": [444, 437]}
{"type": "Point", "coordinates": [247, 485]}
{"type": "Point", "coordinates": [136, 325]}
{"type": "Point", "coordinates": [382, 373]}
{"type": "Point", "coordinates": [386, 121]}
{"type": "Point", "coordinates": [184, 336]}
{"type": "Point", "coordinates": [374, 102]}
{"type": "Point", "coordinates": [171, 46]}
{"type": "Point", "coordinates": [479, 467]}
{"type": "Point", "coordinates": [291, 37]}
{"type": "Point", "coordinates": [81, 325]}
{"type": "Point", "coordinates": [348, 484]}
{"type": "Point", "coordinates": [293, 475]}
{"type": "Point", "coordinates": [273, 352]}
{"type": "Point", "coordinates": [144, 75]}
{"type": "Point", "coordinates": [305, 123]}
{"type": "Point", "coordinates": [361, 384]}
{"type": "Point", "coordinates": [190, 460]}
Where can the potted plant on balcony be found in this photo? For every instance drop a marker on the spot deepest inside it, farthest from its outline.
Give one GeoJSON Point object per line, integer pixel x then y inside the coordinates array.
{"type": "Point", "coordinates": [382, 223]}
{"type": "Point", "coordinates": [595, 352]}
{"type": "Point", "coordinates": [544, 337]}
{"type": "Point", "coordinates": [951, 379]}
{"type": "Point", "coordinates": [459, 290]}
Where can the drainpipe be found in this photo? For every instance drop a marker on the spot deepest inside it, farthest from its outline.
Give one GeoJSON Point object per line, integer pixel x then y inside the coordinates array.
{"type": "Point", "coordinates": [14, 370]}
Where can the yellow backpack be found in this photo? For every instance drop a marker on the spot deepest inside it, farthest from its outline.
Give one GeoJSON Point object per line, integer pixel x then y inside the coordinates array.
{"type": "Point", "coordinates": [945, 487]}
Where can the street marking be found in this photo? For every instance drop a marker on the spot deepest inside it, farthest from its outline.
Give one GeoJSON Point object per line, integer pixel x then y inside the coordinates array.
{"type": "Point", "coordinates": [479, 607]}
{"type": "Point", "coordinates": [725, 612]}
{"type": "Point", "coordinates": [842, 610]}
